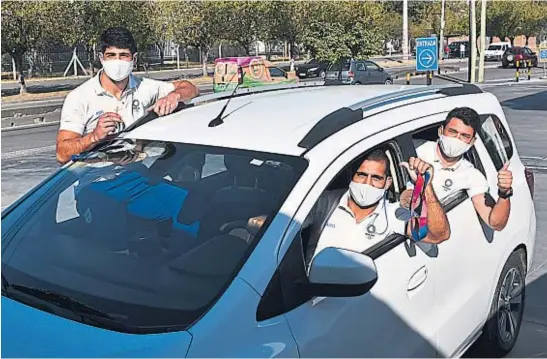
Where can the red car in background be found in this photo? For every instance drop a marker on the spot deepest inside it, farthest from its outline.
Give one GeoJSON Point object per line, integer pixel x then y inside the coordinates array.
{"type": "Point", "coordinates": [522, 54]}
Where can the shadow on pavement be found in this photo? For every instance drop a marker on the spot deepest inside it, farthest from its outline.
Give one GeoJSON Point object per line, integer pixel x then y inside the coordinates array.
{"type": "Point", "coordinates": [532, 102]}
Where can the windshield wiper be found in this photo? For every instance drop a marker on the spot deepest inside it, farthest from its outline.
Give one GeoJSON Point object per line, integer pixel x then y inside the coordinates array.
{"type": "Point", "coordinates": [62, 301]}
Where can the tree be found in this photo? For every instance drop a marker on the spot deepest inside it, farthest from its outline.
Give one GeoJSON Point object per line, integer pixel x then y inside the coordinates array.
{"type": "Point", "coordinates": [24, 24]}
{"type": "Point", "coordinates": [243, 23]}
{"type": "Point", "coordinates": [200, 24]}
{"type": "Point", "coordinates": [533, 16]}
{"type": "Point", "coordinates": [343, 29]}
{"type": "Point", "coordinates": [503, 18]}
{"type": "Point", "coordinates": [161, 19]}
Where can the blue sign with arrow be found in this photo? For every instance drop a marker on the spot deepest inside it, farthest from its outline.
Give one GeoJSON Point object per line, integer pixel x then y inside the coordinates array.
{"type": "Point", "coordinates": [542, 55]}
{"type": "Point", "coordinates": [427, 54]}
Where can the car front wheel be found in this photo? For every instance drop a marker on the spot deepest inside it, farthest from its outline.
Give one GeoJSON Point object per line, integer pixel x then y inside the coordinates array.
{"type": "Point", "coordinates": [388, 82]}
{"type": "Point", "coordinates": [504, 320]}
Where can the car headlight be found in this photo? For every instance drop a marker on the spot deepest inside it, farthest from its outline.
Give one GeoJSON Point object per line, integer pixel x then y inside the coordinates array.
{"type": "Point", "coordinates": [313, 69]}
{"type": "Point", "coordinates": [510, 57]}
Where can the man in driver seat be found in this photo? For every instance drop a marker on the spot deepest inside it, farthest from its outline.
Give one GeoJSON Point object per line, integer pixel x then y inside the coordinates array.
{"type": "Point", "coordinates": [363, 216]}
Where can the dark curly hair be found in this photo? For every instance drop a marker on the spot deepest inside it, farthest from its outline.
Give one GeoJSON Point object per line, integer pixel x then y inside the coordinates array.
{"type": "Point", "coordinates": [118, 37]}
{"type": "Point", "coordinates": [467, 115]}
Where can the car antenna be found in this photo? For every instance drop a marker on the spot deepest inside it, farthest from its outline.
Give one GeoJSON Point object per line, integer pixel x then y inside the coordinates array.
{"type": "Point", "coordinates": [217, 121]}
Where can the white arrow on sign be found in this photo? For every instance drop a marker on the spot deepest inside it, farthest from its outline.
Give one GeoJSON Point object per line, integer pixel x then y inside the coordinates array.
{"type": "Point", "coordinates": [428, 58]}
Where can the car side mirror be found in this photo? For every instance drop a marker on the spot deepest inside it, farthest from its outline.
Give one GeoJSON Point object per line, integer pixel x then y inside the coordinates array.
{"type": "Point", "coordinates": [381, 69]}
{"type": "Point", "coordinates": [336, 272]}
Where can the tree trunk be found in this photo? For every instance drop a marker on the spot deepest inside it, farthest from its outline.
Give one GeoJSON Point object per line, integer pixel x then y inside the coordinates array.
{"type": "Point", "coordinates": [90, 59]}
{"type": "Point", "coordinates": [512, 39]}
{"type": "Point", "coordinates": [19, 66]}
{"type": "Point", "coordinates": [162, 54]}
{"type": "Point", "coordinates": [204, 56]}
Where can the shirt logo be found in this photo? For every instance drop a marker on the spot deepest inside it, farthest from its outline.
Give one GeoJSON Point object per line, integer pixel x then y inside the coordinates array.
{"type": "Point", "coordinates": [136, 104]}
{"type": "Point", "coordinates": [331, 225]}
{"type": "Point", "coordinates": [448, 185]}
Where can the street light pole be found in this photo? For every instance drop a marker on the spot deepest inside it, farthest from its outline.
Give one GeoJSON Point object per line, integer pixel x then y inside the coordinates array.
{"type": "Point", "coordinates": [405, 29]}
{"type": "Point", "coordinates": [441, 37]}
{"type": "Point", "coordinates": [483, 40]}
{"type": "Point", "coordinates": [473, 43]}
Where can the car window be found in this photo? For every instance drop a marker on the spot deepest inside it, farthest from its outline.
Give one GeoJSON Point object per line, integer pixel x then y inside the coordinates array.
{"type": "Point", "coordinates": [496, 140]}
{"type": "Point", "coordinates": [372, 66]}
{"type": "Point", "coordinates": [150, 233]}
{"type": "Point", "coordinates": [293, 267]}
{"type": "Point", "coordinates": [339, 66]}
{"type": "Point", "coordinates": [494, 47]}
{"type": "Point", "coordinates": [275, 72]}
{"type": "Point", "coordinates": [360, 66]}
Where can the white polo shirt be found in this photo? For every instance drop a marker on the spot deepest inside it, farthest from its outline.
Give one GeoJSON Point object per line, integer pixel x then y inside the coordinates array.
{"type": "Point", "coordinates": [460, 176]}
{"type": "Point", "coordinates": [342, 231]}
{"type": "Point", "coordinates": [87, 102]}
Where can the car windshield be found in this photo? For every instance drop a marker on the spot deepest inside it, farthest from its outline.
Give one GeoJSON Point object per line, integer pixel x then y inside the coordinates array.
{"type": "Point", "coordinates": [148, 233]}
{"type": "Point", "coordinates": [513, 50]}
{"type": "Point", "coordinates": [494, 47]}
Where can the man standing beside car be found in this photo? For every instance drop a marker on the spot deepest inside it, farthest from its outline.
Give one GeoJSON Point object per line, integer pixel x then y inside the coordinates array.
{"type": "Point", "coordinates": [453, 173]}
{"type": "Point", "coordinates": [114, 98]}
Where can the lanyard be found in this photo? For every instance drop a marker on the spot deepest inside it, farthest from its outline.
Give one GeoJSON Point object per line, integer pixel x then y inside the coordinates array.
{"type": "Point", "coordinates": [418, 209]}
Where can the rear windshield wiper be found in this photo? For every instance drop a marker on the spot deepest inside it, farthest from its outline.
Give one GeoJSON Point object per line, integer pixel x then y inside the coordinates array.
{"type": "Point", "coordinates": [63, 301]}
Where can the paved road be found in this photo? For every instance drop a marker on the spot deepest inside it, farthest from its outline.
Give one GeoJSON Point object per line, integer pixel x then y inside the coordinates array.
{"type": "Point", "coordinates": [28, 156]}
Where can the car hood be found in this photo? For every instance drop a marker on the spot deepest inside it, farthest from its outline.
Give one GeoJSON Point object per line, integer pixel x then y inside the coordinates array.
{"type": "Point", "coordinates": [29, 332]}
{"type": "Point", "coordinates": [306, 66]}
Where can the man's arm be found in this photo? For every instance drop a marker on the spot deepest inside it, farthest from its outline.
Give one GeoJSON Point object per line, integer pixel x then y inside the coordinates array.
{"type": "Point", "coordinates": [71, 143]}
{"type": "Point", "coordinates": [184, 91]}
{"type": "Point", "coordinates": [438, 228]}
{"type": "Point", "coordinates": [496, 215]}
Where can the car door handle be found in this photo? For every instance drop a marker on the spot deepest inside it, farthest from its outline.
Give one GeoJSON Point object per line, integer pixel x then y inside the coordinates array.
{"type": "Point", "coordinates": [417, 279]}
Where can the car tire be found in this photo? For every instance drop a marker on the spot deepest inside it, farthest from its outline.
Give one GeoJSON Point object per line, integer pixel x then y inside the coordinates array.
{"type": "Point", "coordinates": [357, 83]}
{"type": "Point", "coordinates": [504, 65]}
{"type": "Point", "coordinates": [388, 82]}
{"type": "Point", "coordinates": [497, 338]}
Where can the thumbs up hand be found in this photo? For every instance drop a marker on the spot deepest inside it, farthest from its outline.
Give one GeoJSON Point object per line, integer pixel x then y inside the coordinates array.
{"type": "Point", "coordinates": [505, 179]}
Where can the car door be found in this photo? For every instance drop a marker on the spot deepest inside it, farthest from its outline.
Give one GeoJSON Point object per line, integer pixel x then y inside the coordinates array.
{"type": "Point", "coordinates": [462, 297]}
{"type": "Point", "coordinates": [361, 74]}
{"type": "Point", "coordinates": [375, 76]}
{"type": "Point", "coordinates": [395, 319]}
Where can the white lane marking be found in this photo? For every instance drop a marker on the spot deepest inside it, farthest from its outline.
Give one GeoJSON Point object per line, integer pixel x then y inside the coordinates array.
{"type": "Point", "coordinates": [27, 152]}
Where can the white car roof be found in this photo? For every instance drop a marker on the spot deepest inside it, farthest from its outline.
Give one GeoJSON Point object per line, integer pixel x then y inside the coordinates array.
{"type": "Point", "coordinates": [270, 121]}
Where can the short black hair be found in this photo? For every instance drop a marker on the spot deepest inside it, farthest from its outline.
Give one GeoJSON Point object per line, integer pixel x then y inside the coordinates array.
{"type": "Point", "coordinates": [376, 155]}
{"type": "Point", "coordinates": [118, 37]}
{"type": "Point", "coordinates": [467, 115]}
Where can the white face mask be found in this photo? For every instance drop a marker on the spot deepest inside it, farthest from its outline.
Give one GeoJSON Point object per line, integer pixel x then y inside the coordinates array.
{"type": "Point", "coordinates": [117, 69]}
{"type": "Point", "coordinates": [365, 195]}
{"type": "Point", "coordinates": [453, 147]}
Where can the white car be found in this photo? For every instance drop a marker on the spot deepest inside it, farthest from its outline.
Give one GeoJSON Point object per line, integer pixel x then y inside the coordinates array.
{"type": "Point", "coordinates": [496, 50]}
{"type": "Point", "coordinates": [142, 248]}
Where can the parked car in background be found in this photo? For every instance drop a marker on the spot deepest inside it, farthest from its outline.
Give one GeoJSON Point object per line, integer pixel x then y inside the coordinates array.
{"type": "Point", "coordinates": [356, 72]}
{"type": "Point", "coordinates": [312, 68]}
{"type": "Point", "coordinates": [454, 49]}
{"type": "Point", "coordinates": [521, 54]}
{"type": "Point", "coordinates": [496, 50]}
{"type": "Point", "coordinates": [249, 71]}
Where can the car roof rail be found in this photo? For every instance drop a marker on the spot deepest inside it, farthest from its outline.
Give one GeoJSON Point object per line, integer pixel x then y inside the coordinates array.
{"type": "Point", "coordinates": [346, 116]}
{"type": "Point", "coordinates": [252, 90]}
